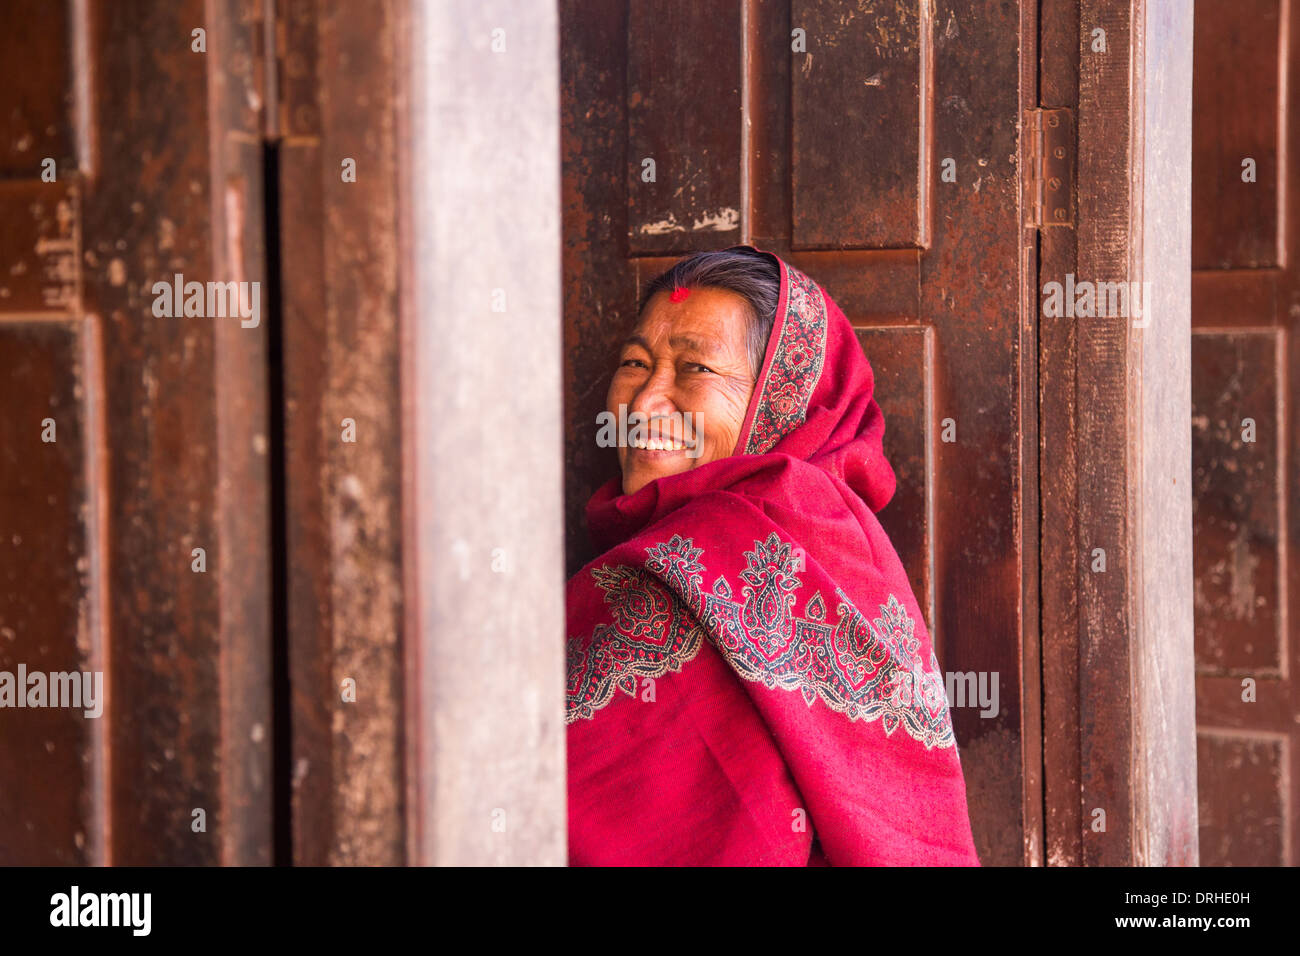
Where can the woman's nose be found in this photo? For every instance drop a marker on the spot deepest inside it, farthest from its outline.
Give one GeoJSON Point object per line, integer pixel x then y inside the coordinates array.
{"type": "Point", "coordinates": [655, 394]}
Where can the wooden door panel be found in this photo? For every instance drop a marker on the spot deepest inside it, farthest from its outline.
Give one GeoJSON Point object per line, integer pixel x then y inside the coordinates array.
{"type": "Point", "coordinates": [36, 32]}
{"type": "Point", "coordinates": [675, 101]}
{"type": "Point", "coordinates": [1238, 488]}
{"type": "Point", "coordinates": [53, 809]}
{"type": "Point", "coordinates": [1236, 223]}
{"type": "Point", "coordinates": [161, 428]}
{"type": "Point", "coordinates": [1243, 816]}
{"type": "Point", "coordinates": [345, 605]}
{"type": "Point", "coordinates": [861, 130]}
{"type": "Point", "coordinates": [237, 519]}
{"type": "Point", "coordinates": [975, 287]}
{"type": "Point", "coordinates": [902, 360]}
{"type": "Point", "coordinates": [52, 763]}
{"type": "Point", "coordinates": [1245, 317]}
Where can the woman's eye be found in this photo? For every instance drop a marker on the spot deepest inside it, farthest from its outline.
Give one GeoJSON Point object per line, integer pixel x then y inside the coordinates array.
{"type": "Point", "coordinates": [702, 368]}
{"type": "Point", "coordinates": [630, 363]}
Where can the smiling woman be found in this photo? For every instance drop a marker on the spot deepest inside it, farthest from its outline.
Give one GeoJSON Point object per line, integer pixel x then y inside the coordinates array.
{"type": "Point", "coordinates": [693, 358]}
{"type": "Point", "coordinates": [747, 604]}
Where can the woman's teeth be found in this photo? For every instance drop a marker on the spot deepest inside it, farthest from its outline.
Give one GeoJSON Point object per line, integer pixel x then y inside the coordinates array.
{"type": "Point", "coordinates": [656, 444]}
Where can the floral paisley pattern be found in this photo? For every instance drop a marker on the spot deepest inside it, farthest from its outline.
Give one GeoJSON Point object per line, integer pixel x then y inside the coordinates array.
{"type": "Point", "coordinates": [865, 669]}
{"type": "Point", "coordinates": [796, 366]}
{"type": "Point", "coordinates": [652, 633]}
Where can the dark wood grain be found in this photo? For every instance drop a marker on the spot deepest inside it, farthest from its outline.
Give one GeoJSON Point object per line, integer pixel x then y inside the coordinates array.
{"type": "Point", "coordinates": [339, 253]}
{"type": "Point", "coordinates": [52, 806]}
{"type": "Point", "coordinates": [684, 113]}
{"type": "Point", "coordinates": [902, 360]}
{"type": "Point", "coordinates": [1236, 84]}
{"type": "Point", "coordinates": [1247, 501]}
{"type": "Point", "coordinates": [861, 96]}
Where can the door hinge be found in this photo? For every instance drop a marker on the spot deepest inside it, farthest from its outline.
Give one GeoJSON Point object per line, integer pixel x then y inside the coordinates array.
{"type": "Point", "coordinates": [1049, 168]}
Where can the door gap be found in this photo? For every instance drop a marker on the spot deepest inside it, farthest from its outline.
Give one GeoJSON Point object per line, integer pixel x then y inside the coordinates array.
{"type": "Point", "coordinates": [281, 691]}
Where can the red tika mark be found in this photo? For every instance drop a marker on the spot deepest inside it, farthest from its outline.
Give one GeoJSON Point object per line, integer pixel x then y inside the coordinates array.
{"type": "Point", "coordinates": [678, 294]}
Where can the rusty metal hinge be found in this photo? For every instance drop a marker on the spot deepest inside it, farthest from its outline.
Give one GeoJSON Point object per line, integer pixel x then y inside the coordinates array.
{"type": "Point", "coordinates": [1049, 172]}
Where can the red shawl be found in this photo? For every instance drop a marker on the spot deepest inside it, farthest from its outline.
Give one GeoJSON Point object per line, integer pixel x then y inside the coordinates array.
{"type": "Point", "coordinates": [752, 681]}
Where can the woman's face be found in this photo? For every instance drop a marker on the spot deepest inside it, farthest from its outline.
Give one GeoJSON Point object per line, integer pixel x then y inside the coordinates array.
{"type": "Point", "coordinates": [686, 370]}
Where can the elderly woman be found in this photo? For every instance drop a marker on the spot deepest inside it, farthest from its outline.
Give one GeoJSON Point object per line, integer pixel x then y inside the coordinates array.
{"type": "Point", "coordinates": [750, 680]}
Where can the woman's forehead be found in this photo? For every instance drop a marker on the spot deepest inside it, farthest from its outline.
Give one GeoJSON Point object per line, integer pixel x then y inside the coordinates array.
{"type": "Point", "coordinates": [713, 318]}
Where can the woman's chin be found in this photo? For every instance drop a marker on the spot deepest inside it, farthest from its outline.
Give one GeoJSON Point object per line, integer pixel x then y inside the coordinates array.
{"type": "Point", "coordinates": [637, 477]}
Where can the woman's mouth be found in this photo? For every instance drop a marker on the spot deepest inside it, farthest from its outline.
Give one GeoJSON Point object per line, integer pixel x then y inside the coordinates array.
{"type": "Point", "coordinates": [656, 444]}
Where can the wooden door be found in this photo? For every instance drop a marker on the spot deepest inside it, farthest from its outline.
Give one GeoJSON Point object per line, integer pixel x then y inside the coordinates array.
{"type": "Point", "coordinates": [877, 148]}
{"type": "Point", "coordinates": [1245, 390]}
{"type": "Point", "coordinates": [272, 537]}
{"type": "Point", "coordinates": [133, 491]}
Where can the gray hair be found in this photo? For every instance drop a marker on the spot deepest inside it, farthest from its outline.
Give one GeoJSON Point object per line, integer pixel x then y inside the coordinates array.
{"type": "Point", "coordinates": [752, 275]}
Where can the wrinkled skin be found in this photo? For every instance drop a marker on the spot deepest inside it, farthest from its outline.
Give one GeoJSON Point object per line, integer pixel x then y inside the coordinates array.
{"type": "Point", "coordinates": [683, 357]}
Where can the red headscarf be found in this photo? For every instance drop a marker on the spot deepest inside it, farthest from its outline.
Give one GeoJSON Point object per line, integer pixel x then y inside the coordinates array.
{"type": "Point", "coordinates": [750, 680]}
